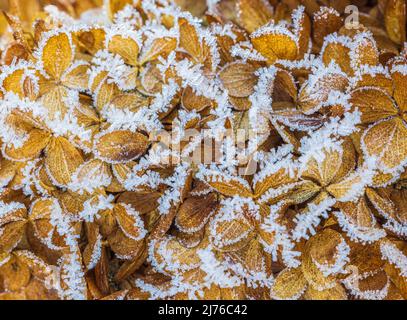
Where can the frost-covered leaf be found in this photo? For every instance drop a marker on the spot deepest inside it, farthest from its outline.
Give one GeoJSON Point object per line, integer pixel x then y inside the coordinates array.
{"type": "Point", "coordinates": [290, 284]}
{"type": "Point", "coordinates": [62, 160]}
{"type": "Point", "coordinates": [57, 54]}
{"type": "Point", "coordinates": [120, 146]}
{"type": "Point", "coordinates": [253, 14]}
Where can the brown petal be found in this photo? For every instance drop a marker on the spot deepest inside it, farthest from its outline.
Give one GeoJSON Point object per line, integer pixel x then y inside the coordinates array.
{"type": "Point", "coordinates": [57, 55]}
{"type": "Point", "coordinates": [365, 52]}
{"type": "Point", "coordinates": [195, 212]}
{"type": "Point", "coordinates": [301, 19]}
{"type": "Point", "coordinates": [394, 274]}
{"type": "Point", "coordinates": [141, 201]}
{"type": "Point", "coordinates": [374, 104]}
{"type": "Point", "coordinates": [360, 218]}
{"type": "Point", "coordinates": [284, 88]}
{"type": "Point", "coordinates": [71, 202]}
{"type": "Point", "coordinates": [272, 181]}
{"type": "Point", "coordinates": [94, 170]}
{"type": "Point", "coordinates": [334, 166]}
{"type": "Point", "coordinates": [240, 104]}
{"type": "Point", "coordinates": [86, 115]}
{"type": "Point", "coordinates": [325, 21]}
{"type": "Point", "coordinates": [338, 292]}
{"type": "Point", "coordinates": [123, 246]}
{"type": "Point", "coordinates": [387, 140]}
{"type": "Point", "coordinates": [190, 240]}
{"type": "Point", "coordinates": [230, 234]}
{"type": "Point", "coordinates": [344, 188]}
{"type": "Point", "coordinates": [107, 222]}
{"type": "Point", "coordinates": [129, 267]}
{"type": "Point", "coordinates": [253, 14]}
{"type": "Point", "coordinates": [289, 284]}
{"type": "Point", "coordinates": [374, 282]}
{"type": "Point", "coordinates": [39, 217]}
{"type": "Point", "coordinates": [197, 8]}
{"type": "Point", "coordinates": [14, 51]}
{"type": "Point", "coordinates": [38, 267]}
{"type": "Point", "coordinates": [381, 201]}
{"type": "Point", "coordinates": [311, 97]}
{"type": "Point", "coordinates": [239, 79]}
{"type": "Point", "coordinates": [321, 249]}
{"type": "Point", "coordinates": [7, 171]}
{"type": "Point", "coordinates": [102, 272]}
{"type": "Point", "coordinates": [348, 161]}
{"type": "Point", "coordinates": [11, 234]}
{"type": "Point", "coordinates": [105, 93]}
{"type": "Point", "coordinates": [192, 101]}
{"type": "Point", "coordinates": [275, 46]}
{"type": "Point", "coordinates": [77, 78]}
{"type": "Point", "coordinates": [151, 80]}
{"type": "Point", "coordinates": [15, 274]}
{"type": "Point", "coordinates": [252, 257]}
{"type": "Point", "coordinates": [12, 82]}
{"type": "Point", "coordinates": [366, 257]}
{"type": "Point", "coordinates": [230, 187]}
{"type": "Point", "coordinates": [127, 48]}
{"type": "Point", "coordinates": [172, 256]}
{"type": "Point", "coordinates": [188, 39]}
{"type": "Point", "coordinates": [130, 101]}
{"type": "Point", "coordinates": [93, 40]}
{"type": "Point", "coordinates": [159, 47]}
{"type": "Point", "coordinates": [225, 44]}
{"type": "Point", "coordinates": [129, 221]}
{"type": "Point", "coordinates": [399, 198]}
{"type": "Point", "coordinates": [54, 100]}
{"type": "Point", "coordinates": [31, 148]}
{"type": "Point", "coordinates": [61, 160]}
{"type": "Point", "coordinates": [91, 254]}
{"type": "Point", "coordinates": [39, 247]}
{"type": "Point", "coordinates": [163, 224]}
{"type": "Point", "coordinates": [389, 203]}
{"type": "Point", "coordinates": [400, 83]}
{"type": "Point", "coordinates": [337, 52]}
{"type": "Point", "coordinates": [379, 80]}
{"type": "Point", "coordinates": [294, 193]}
{"type": "Point", "coordinates": [114, 6]}
{"type": "Point", "coordinates": [395, 20]}
{"type": "Point", "coordinates": [120, 146]}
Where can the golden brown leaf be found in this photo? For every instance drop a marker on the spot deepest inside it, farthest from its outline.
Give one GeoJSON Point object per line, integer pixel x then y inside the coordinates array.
{"type": "Point", "coordinates": [374, 104]}
{"type": "Point", "coordinates": [129, 221]}
{"type": "Point", "coordinates": [62, 159]}
{"type": "Point", "coordinates": [387, 141]}
{"type": "Point", "coordinates": [275, 46]}
{"type": "Point", "coordinates": [31, 148]}
{"type": "Point", "coordinates": [289, 284]}
{"type": "Point", "coordinates": [57, 55]}
{"type": "Point", "coordinates": [395, 20]}
{"type": "Point", "coordinates": [127, 48]}
{"type": "Point", "coordinates": [239, 79]}
{"type": "Point", "coordinates": [253, 14]}
{"type": "Point", "coordinates": [120, 146]}
{"type": "Point", "coordinates": [195, 212]}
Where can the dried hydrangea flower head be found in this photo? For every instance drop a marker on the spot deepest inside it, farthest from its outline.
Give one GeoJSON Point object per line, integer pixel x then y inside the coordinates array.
{"type": "Point", "coordinates": [229, 149]}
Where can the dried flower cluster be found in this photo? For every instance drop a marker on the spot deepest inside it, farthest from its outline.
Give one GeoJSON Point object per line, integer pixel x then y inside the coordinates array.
{"type": "Point", "coordinates": [96, 204]}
